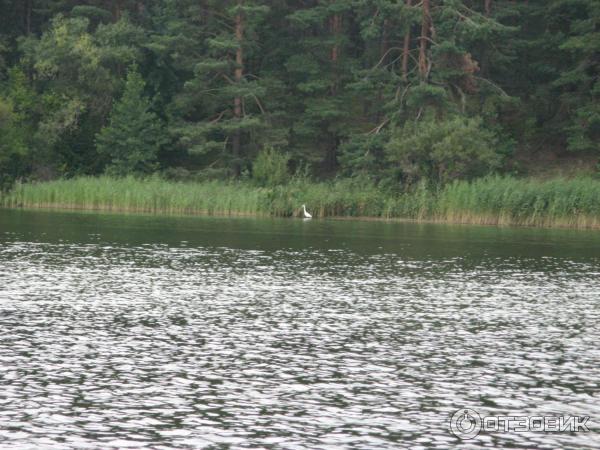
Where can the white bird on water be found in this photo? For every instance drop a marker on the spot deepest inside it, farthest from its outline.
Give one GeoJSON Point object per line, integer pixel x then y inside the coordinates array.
{"type": "Point", "coordinates": [307, 215]}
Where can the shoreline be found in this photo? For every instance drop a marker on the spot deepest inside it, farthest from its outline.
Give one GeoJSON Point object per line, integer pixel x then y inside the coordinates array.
{"type": "Point", "coordinates": [237, 214]}
{"type": "Point", "coordinates": [491, 201]}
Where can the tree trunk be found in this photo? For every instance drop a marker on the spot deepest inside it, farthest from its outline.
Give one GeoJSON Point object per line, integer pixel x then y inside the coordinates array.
{"type": "Point", "coordinates": [238, 75]}
{"type": "Point", "coordinates": [27, 16]}
{"type": "Point", "coordinates": [485, 54]}
{"type": "Point", "coordinates": [425, 28]}
{"type": "Point", "coordinates": [117, 10]}
{"type": "Point", "coordinates": [385, 41]}
{"type": "Point", "coordinates": [383, 52]}
{"type": "Point", "coordinates": [331, 161]}
{"type": "Point", "coordinates": [336, 27]}
{"type": "Point", "coordinates": [406, 49]}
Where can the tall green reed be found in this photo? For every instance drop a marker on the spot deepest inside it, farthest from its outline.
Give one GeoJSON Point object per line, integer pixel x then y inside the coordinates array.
{"type": "Point", "coordinates": [491, 200]}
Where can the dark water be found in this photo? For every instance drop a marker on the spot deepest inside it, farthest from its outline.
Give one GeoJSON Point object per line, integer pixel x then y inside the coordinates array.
{"type": "Point", "coordinates": [145, 332]}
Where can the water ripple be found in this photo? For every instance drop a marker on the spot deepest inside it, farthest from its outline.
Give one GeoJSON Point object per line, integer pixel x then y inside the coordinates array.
{"type": "Point", "coordinates": [157, 346]}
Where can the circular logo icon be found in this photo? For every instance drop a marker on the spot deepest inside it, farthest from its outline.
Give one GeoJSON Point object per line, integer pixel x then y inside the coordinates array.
{"type": "Point", "coordinates": [465, 423]}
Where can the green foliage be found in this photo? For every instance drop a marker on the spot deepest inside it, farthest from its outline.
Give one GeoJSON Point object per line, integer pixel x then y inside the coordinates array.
{"type": "Point", "coordinates": [489, 200]}
{"type": "Point", "coordinates": [17, 108]}
{"type": "Point", "coordinates": [363, 154]}
{"type": "Point", "coordinates": [584, 133]}
{"type": "Point", "coordinates": [91, 12]}
{"type": "Point", "coordinates": [328, 82]}
{"type": "Point", "coordinates": [12, 143]}
{"type": "Point", "coordinates": [506, 200]}
{"type": "Point", "coordinates": [270, 168]}
{"type": "Point", "coordinates": [443, 151]}
{"type": "Point", "coordinates": [580, 83]}
{"type": "Point", "coordinates": [135, 134]}
{"type": "Point", "coordinates": [218, 114]}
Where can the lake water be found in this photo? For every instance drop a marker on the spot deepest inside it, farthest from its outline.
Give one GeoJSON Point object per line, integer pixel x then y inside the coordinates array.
{"type": "Point", "coordinates": [124, 331]}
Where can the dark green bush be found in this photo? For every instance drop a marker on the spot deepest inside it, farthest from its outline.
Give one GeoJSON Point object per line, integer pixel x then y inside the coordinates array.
{"type": "Point", "coordinates": [270, 168]}
{"type": "Point", "coordinates": [442, 151]}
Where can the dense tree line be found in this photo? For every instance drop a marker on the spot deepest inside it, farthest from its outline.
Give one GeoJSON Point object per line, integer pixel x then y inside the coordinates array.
{"type": "Point", "coordinates": [393, 90]}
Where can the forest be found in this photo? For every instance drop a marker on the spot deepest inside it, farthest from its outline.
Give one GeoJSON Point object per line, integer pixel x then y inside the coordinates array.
{"type": "Point", "coordinates": [397, 92]}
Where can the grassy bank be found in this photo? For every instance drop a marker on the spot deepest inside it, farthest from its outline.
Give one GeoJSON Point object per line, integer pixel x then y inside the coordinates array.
{"type": "Point", "coordinates": [571, 203]}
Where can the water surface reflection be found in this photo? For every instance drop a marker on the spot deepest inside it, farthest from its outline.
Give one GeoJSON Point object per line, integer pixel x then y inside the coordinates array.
{"type": "Point", "coordinates": [141, 332]}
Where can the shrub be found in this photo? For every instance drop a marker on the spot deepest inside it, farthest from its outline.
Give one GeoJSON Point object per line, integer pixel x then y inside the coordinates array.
{"type": "Point", "coordinates": [270, 168]}
{"type": "Point", "coordinates": [443, 151]}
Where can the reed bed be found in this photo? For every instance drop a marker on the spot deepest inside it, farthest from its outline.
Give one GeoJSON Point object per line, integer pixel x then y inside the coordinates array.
{"type": "Point", "coordinates": [152, 195]}
{"type": "Point", "coordinates": [573, 203]}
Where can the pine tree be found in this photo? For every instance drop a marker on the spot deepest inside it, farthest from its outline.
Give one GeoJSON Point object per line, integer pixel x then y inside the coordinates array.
{"type": "Point", "coordinates": [579, 80]}
{"type": "Point", "coordinates": [329, 82]}
{"type": "Point", "coordinates": [388, 30]}
{"type": "Point", "coordinates": [219, 108]}
{"type": "Point", "coordinates": [135, 134]}
{"type": "Point", "coordinates": [320, 69]}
